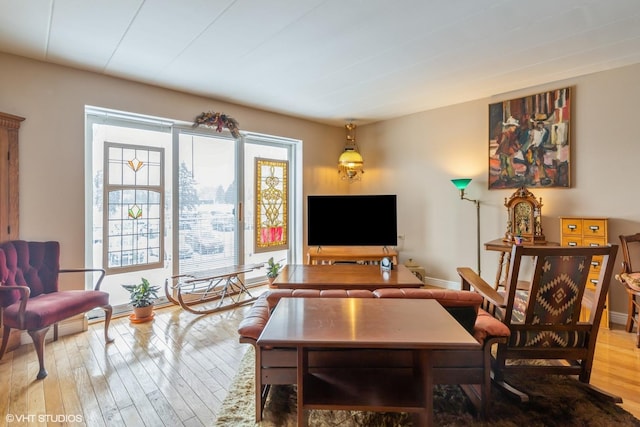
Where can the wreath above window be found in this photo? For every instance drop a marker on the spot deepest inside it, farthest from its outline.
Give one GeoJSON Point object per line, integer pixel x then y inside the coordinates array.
{"type": "Point", "coordinates": [218, 121]}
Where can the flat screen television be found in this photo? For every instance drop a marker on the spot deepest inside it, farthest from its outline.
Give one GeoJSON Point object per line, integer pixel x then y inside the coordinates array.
{"type": "Point", "coordinates": [352, 220]}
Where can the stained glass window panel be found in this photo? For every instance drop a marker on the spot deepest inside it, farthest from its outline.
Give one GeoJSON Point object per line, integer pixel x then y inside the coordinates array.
{"type": "Point", "coordinates": [134, 214]}
{"type": "Point", "coordinates": [271, 204]}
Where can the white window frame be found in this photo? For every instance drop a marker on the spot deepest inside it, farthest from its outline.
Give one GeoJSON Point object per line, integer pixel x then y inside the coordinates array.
{"type": "Point", "coordinates": [137, 121]}
{"type": "Point", "coordinates": [135, 233]}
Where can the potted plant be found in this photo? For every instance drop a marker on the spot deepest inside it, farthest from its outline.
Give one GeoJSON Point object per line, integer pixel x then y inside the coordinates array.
{"type": "Point", "coordinates": [141, 297]}
{"type": "Point", "coordinates": [273, 268]}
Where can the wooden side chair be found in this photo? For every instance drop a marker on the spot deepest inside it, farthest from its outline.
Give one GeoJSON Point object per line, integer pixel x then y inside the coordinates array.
{"type": "Point", "coordinates": [630, 278]}
{"type": "Point", "coordinates": [29, 295]}
{"type": "Point", "coordinates": [545, 319]}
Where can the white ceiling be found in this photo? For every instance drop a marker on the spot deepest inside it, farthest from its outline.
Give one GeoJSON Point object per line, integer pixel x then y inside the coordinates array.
{"type": "Point", "coordinates": [330, 60]}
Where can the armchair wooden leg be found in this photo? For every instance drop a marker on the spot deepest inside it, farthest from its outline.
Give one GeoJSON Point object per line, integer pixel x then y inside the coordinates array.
{"type": "Point", "coordinates": [510, 390]}
{"type": "Point", "coordinates": [108, 311]}
{"type": "Point", "coordinates": [601, 394]}
{"type": "Point", "coordinates": [630, 311]}
{"type": "Point", "coordinates": [498, 379]}
{"type": "Point", "coordinates": [38, 342]}
{"type": "Point", "coordinates": [5, 341]}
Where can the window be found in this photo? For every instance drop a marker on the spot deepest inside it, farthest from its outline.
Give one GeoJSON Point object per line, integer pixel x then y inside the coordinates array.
{"type": "Point", "coordinates": [166, 199]}
{"type": "Point", "coordinates": [133, 212]}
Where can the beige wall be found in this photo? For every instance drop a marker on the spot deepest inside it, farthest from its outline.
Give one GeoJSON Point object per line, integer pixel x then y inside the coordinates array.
{"type": "Point", "coordinates": [52, 99]}
{"type": "Point", "coordinates": [414, 156]}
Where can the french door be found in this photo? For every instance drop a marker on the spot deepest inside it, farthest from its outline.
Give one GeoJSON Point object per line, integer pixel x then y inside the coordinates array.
{"type": "Point", "coordinates": [215, 200]}
{"type": "Point", "coordinates": [206, 203]}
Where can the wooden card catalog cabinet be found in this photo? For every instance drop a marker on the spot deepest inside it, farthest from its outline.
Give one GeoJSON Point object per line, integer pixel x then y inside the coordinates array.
{"type": "Point", "coordinates": [9, 126]}
{"type": "Point", "coordinates": [579, 231]}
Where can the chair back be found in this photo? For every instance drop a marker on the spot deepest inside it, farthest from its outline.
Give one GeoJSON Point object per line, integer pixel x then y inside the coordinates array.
{"type": "Point", "coordinates": [548, 313]}
{"type": "Point", "coordinates": [32, 264]}
{"type": "Point", "coordinates": [630, 275]}
{"type": "Point", "coordinates": [630, 250]}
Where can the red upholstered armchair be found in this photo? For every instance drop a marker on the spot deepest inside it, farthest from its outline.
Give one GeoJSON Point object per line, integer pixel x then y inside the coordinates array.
{"type": "Point", "coordinates": [30, 298]}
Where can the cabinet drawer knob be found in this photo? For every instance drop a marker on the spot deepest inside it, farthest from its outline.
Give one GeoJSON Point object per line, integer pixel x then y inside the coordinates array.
{"type": "Point", "coordinates": [595, 263]}
{"type": "Point", "coordinates": [572, 244]}
{"type": "Point", "coordinates": [572, 226]}
{"type": "Point", "coordinates": [594, 244]}
{"type": "Point", "coordinates": [594, 228]}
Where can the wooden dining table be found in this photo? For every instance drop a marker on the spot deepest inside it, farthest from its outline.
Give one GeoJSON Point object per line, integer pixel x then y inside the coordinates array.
{"type": "Point", "coordinates": [344, 276]}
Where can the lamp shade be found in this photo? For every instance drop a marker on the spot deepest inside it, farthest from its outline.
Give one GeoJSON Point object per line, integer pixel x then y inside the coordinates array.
{"type": "Point", "coordinates": [351, 165]}
{"type": "Point", "coordinates": [350, 158]}
{"type": "Point", "coordinates": [461, 183]}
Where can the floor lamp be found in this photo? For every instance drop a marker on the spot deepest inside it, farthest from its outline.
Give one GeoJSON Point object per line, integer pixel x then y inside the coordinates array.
{"type": "Point", "coordinates": [461, 184]}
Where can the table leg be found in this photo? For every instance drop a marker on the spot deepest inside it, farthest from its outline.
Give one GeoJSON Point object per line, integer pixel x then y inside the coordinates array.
{"type": "Point", "coordinates": [258, 381]}
{"type": "Point", "coordinates": [300, 373]}
{"type": "Point", "coordinates": [504, 263]}
{"type": "Point", "coordinates": [499, 273]}
{"type": "Point", "coordinates": [426, 416]}
{"type": "Point", "coordinates": [507, 264]}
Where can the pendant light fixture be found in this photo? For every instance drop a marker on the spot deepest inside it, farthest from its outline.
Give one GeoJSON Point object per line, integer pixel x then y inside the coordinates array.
{"type": "Point", "coordinates": [350, 163]}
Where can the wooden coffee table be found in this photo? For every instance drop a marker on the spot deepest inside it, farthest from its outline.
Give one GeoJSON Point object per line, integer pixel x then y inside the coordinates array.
{"type": "Point", "coordinates": [345, 276]}
{"type": "Point", "coordinates": [420, 326]}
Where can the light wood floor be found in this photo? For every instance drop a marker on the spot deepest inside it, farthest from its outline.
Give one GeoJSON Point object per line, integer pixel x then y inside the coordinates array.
{"type": "Point", "coordinates": [175, 371]}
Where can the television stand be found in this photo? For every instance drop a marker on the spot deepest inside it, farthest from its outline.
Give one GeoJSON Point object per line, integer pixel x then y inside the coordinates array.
{"type": "Point", "coordinates": [363, 254]}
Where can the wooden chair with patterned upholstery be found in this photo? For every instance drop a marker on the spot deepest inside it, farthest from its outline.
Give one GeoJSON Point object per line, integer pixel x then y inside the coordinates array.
{"type": "Point", "coordinates": [545, 319]}
{"type": "Point", "coordinates": [29, 296]}
{"type": "Point", "coordinates": [630, 278]}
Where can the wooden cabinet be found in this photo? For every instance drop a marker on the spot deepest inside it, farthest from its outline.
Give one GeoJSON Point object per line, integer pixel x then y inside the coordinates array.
{"type": "Point", "coordinates": [9, 229]}
{"type": "Point", "coordinates": [580, 231]}
{"type": "Point", "coordinates": [9, 126]}
{"type": "Point", "coordinates": [364, 254]}
{"type": "Point", "coordinates": [416, 269]}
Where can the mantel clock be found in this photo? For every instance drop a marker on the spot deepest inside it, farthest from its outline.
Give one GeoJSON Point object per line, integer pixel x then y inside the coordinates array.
{"type": "Point", "coordinates": [524, 217]}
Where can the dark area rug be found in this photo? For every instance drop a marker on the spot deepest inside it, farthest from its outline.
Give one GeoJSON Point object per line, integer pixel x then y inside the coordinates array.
{"type": "Point", "coordinates": [554, 401]}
